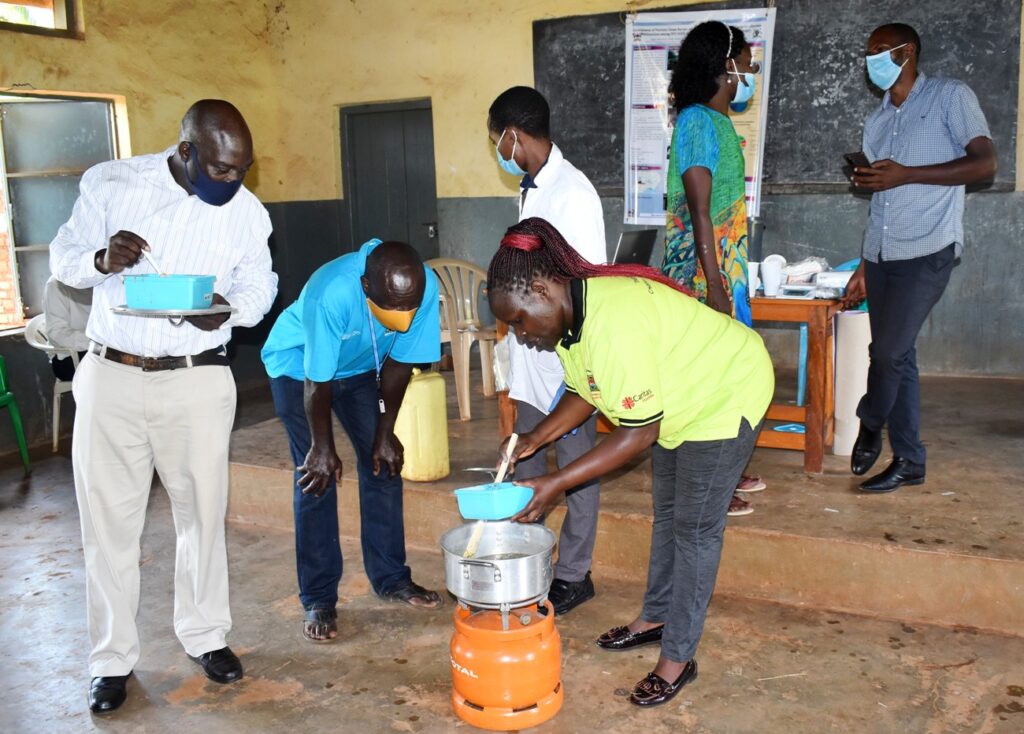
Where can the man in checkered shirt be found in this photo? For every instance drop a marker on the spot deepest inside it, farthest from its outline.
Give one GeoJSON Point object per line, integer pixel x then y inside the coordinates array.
{"type": "Point", "coordinates": [926, 140]}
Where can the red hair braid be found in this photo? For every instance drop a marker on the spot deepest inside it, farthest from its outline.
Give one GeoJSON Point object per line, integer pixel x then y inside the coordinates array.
{"type": "Point", "coordinates": [534, 248]}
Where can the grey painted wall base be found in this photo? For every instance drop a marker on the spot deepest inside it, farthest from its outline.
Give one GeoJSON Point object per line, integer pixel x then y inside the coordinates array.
{"type": "Point", "coordinates": [976, 329]}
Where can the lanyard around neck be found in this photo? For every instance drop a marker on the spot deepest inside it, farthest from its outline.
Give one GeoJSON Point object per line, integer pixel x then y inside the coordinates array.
{"type": "Point", "coordinates": [376, 356]}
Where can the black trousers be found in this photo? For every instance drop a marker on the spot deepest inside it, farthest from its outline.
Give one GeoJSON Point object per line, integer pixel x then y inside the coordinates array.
{"type": "Point", "coordinates": [901, 294]}
{"type": "Point", "coordinates": [64, 368]}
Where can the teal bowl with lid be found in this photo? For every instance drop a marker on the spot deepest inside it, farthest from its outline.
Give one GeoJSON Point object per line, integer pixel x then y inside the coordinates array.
{"type": "Point", "coordinates": [492, 501]}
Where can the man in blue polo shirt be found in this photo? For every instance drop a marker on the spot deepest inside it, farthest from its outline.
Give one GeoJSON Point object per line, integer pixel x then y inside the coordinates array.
{"type": "Point", "coordinates": [348, 344]}
{"type": "Point", "coordinates": [926, 140]}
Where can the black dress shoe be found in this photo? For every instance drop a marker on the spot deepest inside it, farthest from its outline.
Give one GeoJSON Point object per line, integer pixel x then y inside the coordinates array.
{"type": "Point", "coordinates": [655, 690]}
{"type": "Point", "coordinates": [866, 449]}
{"type": "Point", "coordinates": [898, 473]}
{"type": "Point", "coordinates": [107, 693]}
{"type": "Point", "coordinates": [220, 666]}
{"type": "Point", "coordinates": [620, 638]}
{"type": "Point", "coordinates": [567, 595]}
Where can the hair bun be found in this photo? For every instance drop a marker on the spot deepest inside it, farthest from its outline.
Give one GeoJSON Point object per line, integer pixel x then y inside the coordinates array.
{"type": "Point", "coordinates": [524, 242]}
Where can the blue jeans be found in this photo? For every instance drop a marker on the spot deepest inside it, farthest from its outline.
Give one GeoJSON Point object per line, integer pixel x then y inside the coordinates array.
{"type": "Point", "coordinates": [317, 549]}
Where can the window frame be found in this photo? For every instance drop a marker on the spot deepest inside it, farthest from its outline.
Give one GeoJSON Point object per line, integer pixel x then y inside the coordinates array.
{"type": "Point", "coordinates": [65, 13]}
{"type": "Point", "coordinates": [122, 149]}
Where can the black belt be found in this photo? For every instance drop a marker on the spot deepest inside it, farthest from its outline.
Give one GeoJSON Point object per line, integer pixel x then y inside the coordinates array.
{"type": "Point", "coordinates": [216, 356]}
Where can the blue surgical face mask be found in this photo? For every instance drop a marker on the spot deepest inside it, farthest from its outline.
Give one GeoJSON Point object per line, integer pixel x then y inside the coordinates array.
{"type": "Point", "coordinates": [882, 70]}
{"type": "Point", "coordinates": [215, 193]}
{"type": "Point", "coordinates": [510, 165]}
{"type": "Point", "coordinates": [744, 86]}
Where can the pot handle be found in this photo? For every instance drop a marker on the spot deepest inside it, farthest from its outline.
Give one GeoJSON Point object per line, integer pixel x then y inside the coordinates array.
{"type": "Point", "coordinates": [485, 564]}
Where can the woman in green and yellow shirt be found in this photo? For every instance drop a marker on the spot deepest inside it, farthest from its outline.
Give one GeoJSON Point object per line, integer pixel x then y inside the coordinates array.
{"type": "Point", "coordinates": [665, 370]}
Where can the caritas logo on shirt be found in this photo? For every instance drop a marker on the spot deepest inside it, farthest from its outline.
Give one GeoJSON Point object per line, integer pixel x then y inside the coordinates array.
{"type": "Point", "coordinates": [630, 401]}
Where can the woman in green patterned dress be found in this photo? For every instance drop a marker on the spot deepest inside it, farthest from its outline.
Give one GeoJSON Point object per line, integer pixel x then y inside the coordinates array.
{"type": "Point", "coordinates": [706, 218]}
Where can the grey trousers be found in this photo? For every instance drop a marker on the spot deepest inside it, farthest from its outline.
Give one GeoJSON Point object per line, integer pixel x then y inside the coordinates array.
{"type": "Point", "coordinates": [579, 530]}
{"type": "Point", "coordinates": [691, 488]}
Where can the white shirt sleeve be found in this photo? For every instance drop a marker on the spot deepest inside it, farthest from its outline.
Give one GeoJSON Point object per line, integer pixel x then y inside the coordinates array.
{"type": "Point", "coordinates": [254, 283]}
{"type": "Point", "coordinates": [581, 221]}
{"type": "Point", "coordinates": [60, 319]}
{"type": "Point", "coordinates": [73, 250]}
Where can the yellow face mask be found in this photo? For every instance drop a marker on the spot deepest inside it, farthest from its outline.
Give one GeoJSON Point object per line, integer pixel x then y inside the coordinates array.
{"type": "Point", "coordinates": [394, 320]}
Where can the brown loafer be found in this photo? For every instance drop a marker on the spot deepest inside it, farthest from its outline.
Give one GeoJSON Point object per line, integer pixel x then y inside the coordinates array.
{"type": "Point", "coordinates": [655, 690]}
{"type": "Point", "coordinates": [620, 638]}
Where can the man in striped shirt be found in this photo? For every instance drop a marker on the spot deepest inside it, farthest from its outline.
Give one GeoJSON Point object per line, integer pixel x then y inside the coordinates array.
{"type": "Point", "coordinates": [154, 395]}
{"type": "Point", "coordinates": [925, 141]}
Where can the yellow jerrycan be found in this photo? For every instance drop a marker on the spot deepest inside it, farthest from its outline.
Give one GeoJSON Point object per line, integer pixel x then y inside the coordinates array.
{"type": "Point", "coordinates": [422, 427]}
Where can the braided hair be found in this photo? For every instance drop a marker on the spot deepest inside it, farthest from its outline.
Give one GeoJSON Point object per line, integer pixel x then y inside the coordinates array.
{"type": "Point", "coordinates": [535, 249]}
{"type": "Point", "coordinates": [702, 60]}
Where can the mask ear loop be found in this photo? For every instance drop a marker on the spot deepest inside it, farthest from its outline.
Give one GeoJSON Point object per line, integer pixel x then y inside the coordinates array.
{"type": "Point", "coordinates": [728, 53]}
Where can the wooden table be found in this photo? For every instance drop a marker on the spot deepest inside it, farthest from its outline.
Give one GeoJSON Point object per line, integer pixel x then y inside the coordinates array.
{"type": "Point", "coordinates": [819, 414]}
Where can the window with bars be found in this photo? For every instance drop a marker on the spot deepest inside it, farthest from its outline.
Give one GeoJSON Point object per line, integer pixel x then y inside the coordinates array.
{"type": "Point", "coordinates": [48, 17]}
{"type": "Point", "coordinates": [46, 144]}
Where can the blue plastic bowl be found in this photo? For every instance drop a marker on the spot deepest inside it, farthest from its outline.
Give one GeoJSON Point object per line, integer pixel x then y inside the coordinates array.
{"type": "Point", "coordinates": [492, 501]}
{"type": "Point", "coordinates": [169, 292]}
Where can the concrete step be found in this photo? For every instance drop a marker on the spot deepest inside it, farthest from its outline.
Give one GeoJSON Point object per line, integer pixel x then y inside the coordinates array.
{"type": "Point", "coordinates": [948, 553]}
{"type": "Point", "coordinates": [806, 570]}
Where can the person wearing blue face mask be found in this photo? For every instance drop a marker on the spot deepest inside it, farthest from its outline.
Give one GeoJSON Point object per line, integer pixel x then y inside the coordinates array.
{"type": "Point", "coordinates": [518, 123]}
{"type": "Point", "coordinates": [706, 213]}
{"type": "Point", "coordinates": [926, 141]}
{"type": "Point", "coordinates": [154, 396]}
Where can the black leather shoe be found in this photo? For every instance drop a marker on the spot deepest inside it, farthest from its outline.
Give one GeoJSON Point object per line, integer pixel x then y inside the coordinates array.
{"type": "Point", "coordinates": [567, 595]}
{"type": "Point", "coordinates": [107, 693]}
{"type": "Point", "coordinates": [220, 666]}
{"type": "Point", "coordinates": [898, 473]}
{"type": "Point", "coordinates": [620, 638]}
{"type": "Point", "coordinates": [655, 690]}
{"type": "Point", "coordinates": [866, 449]}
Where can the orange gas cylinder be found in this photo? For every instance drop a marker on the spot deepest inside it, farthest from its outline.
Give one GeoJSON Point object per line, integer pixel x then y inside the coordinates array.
{"type": "Point", "coordinates": [506, 679]}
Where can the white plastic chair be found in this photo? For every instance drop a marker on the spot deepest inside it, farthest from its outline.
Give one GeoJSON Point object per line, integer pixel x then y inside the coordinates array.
{"type": "Point", "coordinates": [448, 327]}
{"type": "Point", "coordinates": [463, 284]}
{"type": "Point", "coordinates": [35, 335]}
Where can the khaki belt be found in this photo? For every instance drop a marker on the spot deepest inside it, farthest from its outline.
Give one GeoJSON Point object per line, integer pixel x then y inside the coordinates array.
{"type": "Point", "coordinates": [216, 356]}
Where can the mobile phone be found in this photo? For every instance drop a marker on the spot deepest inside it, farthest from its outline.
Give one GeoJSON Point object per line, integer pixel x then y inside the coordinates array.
{"type": "Point", "coordinates": [857, 160]}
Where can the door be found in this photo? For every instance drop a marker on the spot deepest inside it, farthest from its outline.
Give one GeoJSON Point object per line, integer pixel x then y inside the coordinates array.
{"type": "Point", "coordinates": [388, 159]}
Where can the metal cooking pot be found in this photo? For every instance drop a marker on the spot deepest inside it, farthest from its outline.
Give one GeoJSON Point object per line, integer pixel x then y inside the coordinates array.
{"type": "Point", "coordinates": [511, 564]}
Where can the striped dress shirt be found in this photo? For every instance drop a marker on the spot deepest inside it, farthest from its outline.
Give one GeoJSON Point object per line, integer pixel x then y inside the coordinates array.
{"type": "Point", "coordinates": [933, 125]}
{"type": "Point", "coordinates": [186, 236]}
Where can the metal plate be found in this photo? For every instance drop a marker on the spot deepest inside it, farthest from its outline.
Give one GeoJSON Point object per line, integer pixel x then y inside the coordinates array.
{"type": "Point", "coordinates": [219, 308]}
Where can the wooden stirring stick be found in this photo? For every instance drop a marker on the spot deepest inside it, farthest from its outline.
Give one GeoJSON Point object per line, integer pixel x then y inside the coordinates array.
{"type": "Point", "coordinates": [478, 530]}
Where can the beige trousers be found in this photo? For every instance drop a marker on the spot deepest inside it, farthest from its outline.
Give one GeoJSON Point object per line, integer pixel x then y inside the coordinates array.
{"type": "Point", "coordinates": [128, 423]}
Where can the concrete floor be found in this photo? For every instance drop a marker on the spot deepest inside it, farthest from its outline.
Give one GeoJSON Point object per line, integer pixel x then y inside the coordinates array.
{"type": "Point", "coordinates": [764, 668]}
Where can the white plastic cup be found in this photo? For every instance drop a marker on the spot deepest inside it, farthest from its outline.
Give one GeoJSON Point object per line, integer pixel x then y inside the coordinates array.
{"type": "Point", "coordinates": [771, 277]}
{"type": "Point", "coordinates": [752, 280]}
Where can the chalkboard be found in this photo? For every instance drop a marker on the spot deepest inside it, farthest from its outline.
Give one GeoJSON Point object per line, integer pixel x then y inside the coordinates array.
{"type": "Point", "coordinates": [819, 93]}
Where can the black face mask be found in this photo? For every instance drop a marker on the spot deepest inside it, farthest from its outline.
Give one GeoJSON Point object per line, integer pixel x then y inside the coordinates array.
{"type": "Point", "coordinates": [215, 193]}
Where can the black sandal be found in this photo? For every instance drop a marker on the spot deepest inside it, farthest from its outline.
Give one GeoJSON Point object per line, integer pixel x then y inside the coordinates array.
{"type": "Point", "coordinates": [316, 620]}
{"type": "Point", "coordinates": [410, 591]}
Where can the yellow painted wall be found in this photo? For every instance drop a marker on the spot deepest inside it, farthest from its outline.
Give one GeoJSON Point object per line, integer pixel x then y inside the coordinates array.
{"type": "Point", "coordinates": [161, 55]}
{"type": "Point", "coordinates": [290, 64]}
{"type": "Point", "coordinates": [460, 54]}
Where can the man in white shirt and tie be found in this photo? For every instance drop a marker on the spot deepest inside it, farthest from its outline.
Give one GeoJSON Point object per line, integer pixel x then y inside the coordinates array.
{"type": "Point", "coordinates": [153, 395]}
{"type": "Point", "coordinates": [551, 188]}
